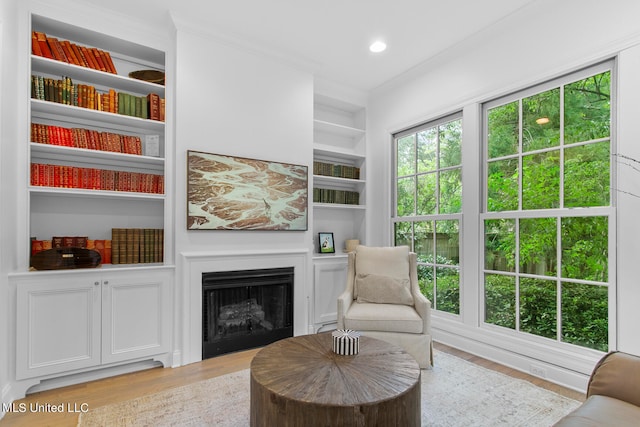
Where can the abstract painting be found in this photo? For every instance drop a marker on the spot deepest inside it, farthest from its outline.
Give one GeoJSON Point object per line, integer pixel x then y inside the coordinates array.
{"type": "Point", "coordinates": [236, 193]}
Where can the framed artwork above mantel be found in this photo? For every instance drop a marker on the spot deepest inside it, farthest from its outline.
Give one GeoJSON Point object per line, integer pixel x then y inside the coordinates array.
{"type": "Point", "coordinates": [236, 193]}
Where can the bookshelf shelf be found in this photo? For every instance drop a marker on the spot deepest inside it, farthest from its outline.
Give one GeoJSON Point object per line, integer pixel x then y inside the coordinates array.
{"type": "Point", "coordinates": [56, 69]}
{"type": "Point", "coordinates": [84, 116]}
{"type": "Point", "coordinates": [94, 194]}
{"type": "Point", "coordinates": [43, 152]}
{"type": "Point", "coordinates": [328, 152]}
{"type": "Point", "coordinates": [338, 129]}
{"type": "Point", "coordinates": [338, 207]}
{"type": "Point", "coordinates": [336, 182]}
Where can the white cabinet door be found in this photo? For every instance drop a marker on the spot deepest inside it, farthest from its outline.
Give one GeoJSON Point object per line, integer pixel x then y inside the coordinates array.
{"type": "Point", "coordinates": [329, 282]}
{"type": "Point", "coordinates": [58, 325]}
{"type": "Point", "coordinates": [77, 321]}
{"type": "Point", "coordinates": [137, 314]}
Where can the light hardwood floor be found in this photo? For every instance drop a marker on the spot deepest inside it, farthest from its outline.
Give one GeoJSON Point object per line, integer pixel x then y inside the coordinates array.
{"type": "Point", "coordinates": [125, 387]}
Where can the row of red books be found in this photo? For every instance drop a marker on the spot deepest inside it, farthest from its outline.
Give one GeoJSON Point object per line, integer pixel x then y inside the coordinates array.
{"type": "Point", "coordinates": [66, 51]}
{"type": "Point", "coordinates": [103, 247]}
{"type": "Point", "coordinates": [62, 176]}
{"type": "Point", "coordinates": [85, 138]}
{"type": "Point", "coordinates": [137, 245]}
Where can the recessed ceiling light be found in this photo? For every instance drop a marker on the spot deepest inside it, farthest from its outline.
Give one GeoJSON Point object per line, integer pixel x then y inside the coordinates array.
{"type": "Point", "coordinates": [378, 46]}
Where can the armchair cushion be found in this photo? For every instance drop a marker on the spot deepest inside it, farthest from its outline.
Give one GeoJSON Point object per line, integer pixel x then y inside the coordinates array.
{"type": "Point", "coordinates": [384, 261]}
{"type": "Point", "coordinates": [379, 289]}
{"type": "Point", "coordinates": [383, 317]}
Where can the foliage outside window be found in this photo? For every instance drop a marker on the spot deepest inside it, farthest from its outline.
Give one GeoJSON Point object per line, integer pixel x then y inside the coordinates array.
{"type": "Point", "coordinates": [428, 179]}
{"type": "Point", "coordinates": [547, 209]}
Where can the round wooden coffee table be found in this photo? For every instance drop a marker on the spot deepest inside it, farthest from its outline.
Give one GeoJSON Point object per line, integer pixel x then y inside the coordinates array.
{"type": "Point", "coordinates": [300, 381]}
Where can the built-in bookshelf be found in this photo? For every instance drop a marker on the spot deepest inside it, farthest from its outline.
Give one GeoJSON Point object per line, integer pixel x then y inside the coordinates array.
{"type": "Point", "coordinates": [97, 140]}
{"type": "Point", "coordinates": [339, 198]}
{"type": "Point", "coordinates": [94, 174]}
{"type": "Point", "coordinates": [339, 169]}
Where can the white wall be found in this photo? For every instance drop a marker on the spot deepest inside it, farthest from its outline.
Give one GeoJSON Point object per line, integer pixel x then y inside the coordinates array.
{"type": "Point", "coordinates": [235, 100]}
{"type": "Point", "coordinates": [230, 100]}
{"type": "Point", "coordinates": [541, 41]}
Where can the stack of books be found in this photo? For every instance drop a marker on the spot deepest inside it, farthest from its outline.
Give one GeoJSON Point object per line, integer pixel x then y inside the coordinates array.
{"type": "Point", "coordinates": [137, 245]}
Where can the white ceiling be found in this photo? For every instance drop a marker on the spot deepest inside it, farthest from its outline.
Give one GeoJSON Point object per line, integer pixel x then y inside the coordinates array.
{"type": "Point", "coordinates": [334, 35]}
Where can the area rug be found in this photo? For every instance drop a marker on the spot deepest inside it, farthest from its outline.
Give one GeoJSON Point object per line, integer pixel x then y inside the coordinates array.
{"type": "Point", "coordinates": [454, 393]}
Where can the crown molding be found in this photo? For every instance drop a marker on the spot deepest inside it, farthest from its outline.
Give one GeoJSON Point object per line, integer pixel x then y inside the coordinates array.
{"type": "Point", "coordinates": [200, 27]}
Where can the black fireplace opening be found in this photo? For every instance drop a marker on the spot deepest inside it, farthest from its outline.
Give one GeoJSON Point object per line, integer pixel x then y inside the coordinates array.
{"type": "Point", "coordinates": [245, 309]}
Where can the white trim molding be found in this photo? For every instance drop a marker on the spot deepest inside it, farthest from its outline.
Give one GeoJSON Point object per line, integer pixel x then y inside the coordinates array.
{"type": "Point", "coordinates": [189, 293]}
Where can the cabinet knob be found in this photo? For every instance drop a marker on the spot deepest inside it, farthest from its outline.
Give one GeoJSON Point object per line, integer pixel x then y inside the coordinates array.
{"type": "Point", "coordinates": [96, 283]}
{"type": "Point", "coordinates": [106, 282]}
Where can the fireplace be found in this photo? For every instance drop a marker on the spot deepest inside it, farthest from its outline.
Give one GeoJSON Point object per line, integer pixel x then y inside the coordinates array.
{"type": "Point", "coordinates": [244, 309]}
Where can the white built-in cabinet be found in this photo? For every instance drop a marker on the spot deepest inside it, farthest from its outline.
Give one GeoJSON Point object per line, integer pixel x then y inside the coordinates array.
{"type": "Point", "coordinates": [68, 323]}
{"type": "Point", "coordinates": [339, 139]}
{"type": "Point", "coordinates": [329, 275]}
{"type": "Point", "coordinates": [78, 320]}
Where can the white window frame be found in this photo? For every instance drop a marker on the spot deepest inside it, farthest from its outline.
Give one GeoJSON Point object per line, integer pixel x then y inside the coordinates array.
{"type": "Point", "coordinates": [431, 217]}
{"type": "Point", "coordinates": [609, 211]}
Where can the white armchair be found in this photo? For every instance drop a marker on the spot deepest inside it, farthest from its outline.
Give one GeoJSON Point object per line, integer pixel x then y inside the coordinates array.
{"type": "Point", "coordinates": [382, 300]}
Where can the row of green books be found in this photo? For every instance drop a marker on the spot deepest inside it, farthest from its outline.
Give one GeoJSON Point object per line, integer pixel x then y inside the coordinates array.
{"type": "Point", "coordinates": [326, 195]}
{"type": "Point", "coordinates": [339, 171]}
{"type": "Point", "coordinates": [64, 91]}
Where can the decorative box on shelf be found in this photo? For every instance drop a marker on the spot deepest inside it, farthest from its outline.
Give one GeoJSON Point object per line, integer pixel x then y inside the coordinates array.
{"type": "Point", "coordinates": [65, 258]}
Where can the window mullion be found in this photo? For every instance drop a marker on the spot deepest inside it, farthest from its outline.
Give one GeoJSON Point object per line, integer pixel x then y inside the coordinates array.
{"type": "Point", "coordinates": [520, 145]}
{"type": "Point", "coordinates": [559, 279]}
{"type": "Point", "coordinates": [437, 172]}
{"type": "Point", "coordinates": [561, 177]}
{"type": "Point", "coordinates": [415, 176]}
{"type": "Point", "coordinates": [517, 271]}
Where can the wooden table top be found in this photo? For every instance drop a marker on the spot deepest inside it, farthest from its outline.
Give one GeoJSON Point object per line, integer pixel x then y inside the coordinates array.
{"type": "Point", "coordinates": [306, 369]}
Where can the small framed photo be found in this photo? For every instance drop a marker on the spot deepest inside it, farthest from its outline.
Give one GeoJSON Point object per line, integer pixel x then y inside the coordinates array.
{"type": "Point", "coordinates": [326, 245]}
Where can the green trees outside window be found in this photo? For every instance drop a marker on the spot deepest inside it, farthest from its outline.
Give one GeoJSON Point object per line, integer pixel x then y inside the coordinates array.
{"type": "Point", "coordinates": [428, 207]}
{"type": "Point", "coordinates": [546, 253]}
{"type": "Point", "coordinates": [545, 214]}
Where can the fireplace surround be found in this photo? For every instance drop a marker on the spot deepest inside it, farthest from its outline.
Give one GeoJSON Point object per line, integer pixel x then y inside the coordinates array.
{"type": "Point", "coordinates": [189, 289]}
{"type": "Point", "coordinates": [245, 309]}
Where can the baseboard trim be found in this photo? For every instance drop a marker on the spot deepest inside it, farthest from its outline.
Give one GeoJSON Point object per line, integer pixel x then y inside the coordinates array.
{"type": "Point", "coordinates": [5, 398]}
{"type": "Point", "coordinates": [556, 374]}
{"type": "Point", "coordinates": [98, 374]}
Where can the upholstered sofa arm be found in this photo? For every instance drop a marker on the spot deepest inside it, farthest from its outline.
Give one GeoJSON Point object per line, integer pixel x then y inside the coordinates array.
{"type": "Point", "coordinates": [616, 375]}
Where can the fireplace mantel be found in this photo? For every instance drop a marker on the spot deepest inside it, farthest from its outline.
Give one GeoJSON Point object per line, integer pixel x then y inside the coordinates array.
{"type": "Point", "coordinates": [189, 289]}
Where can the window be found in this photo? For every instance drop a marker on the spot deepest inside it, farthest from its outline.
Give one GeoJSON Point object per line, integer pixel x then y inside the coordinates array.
{"type": "Point", "coordinates": [548, 208]}
{"type": "Point", "coordinates": [428, 208]}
